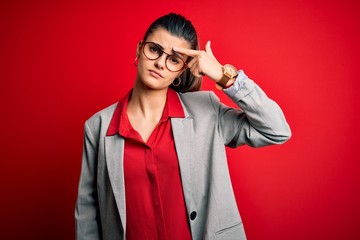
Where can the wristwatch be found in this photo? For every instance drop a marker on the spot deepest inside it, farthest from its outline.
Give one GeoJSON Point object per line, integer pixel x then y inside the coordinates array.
{"type": "Point", "coordinates": [229, 72]}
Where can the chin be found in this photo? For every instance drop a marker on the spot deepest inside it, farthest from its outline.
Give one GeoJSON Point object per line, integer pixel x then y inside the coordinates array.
{"type": "Point", "coordinates": [153, 84]}
{"type": "Point", "coordinates": [150, 82]}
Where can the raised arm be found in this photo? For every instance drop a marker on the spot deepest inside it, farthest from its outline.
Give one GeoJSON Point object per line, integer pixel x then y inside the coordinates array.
{"type": "Point", "coordinates": [260, 121]}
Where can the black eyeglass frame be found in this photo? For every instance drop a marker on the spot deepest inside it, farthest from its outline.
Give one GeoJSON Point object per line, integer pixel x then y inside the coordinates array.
{"type": "Point", "coordinates": [162, 52]}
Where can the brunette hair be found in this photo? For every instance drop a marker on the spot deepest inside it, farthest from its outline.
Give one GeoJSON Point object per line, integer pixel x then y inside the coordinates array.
{"type": "Point", "coordinates": [181, 27]}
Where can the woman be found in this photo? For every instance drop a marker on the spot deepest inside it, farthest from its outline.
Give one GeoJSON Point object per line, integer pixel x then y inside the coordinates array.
{"type": "Point", "coordinates": [154, 164]}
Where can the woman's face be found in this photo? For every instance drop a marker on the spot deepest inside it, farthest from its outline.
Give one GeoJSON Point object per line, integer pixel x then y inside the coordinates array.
{"type": "Point", "coordinates": [154, 74]}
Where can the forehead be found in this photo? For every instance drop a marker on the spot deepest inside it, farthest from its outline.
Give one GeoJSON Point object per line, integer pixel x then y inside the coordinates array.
{"type": "Point", "coordinates": [167, 40]}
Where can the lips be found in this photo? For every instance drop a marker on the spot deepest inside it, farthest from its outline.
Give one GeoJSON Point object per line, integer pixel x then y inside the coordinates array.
{"type": "Point", "coordinates": [155, 74]}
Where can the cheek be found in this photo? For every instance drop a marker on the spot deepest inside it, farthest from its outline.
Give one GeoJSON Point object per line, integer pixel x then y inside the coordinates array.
{"type": "Point", "coordinates": [170, 76]}
{"type": "Point", "coordinates": [142, 65]}
{"type": "Point", "coordinates": [141, 61]}
{"type": "Point", "coordinates": [145, 64]}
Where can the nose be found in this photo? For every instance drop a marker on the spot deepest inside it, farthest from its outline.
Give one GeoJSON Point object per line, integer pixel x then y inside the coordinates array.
{"type": "Point", "coordinates": [160, 63]}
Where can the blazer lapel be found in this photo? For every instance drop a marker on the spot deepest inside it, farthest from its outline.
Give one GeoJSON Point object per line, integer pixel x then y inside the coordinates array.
{"type": "Point", "coordinates": [114, 155]}
{"type": "Point", "coordinates": [184, 138]}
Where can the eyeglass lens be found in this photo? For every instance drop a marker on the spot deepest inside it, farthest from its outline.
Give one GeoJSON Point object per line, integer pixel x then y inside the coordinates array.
{"type": "Point", "coordinates": [152, 51]}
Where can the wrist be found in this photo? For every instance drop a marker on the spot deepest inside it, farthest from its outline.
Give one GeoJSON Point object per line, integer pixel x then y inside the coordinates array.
{"type": "Point", "coordinates": [228, 78]}
{"type": "Point", "coordinates": [230, 83]}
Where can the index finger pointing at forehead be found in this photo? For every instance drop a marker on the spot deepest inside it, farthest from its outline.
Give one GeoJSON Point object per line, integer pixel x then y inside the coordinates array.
{"type": "Point", "coordinates": [188, 52]}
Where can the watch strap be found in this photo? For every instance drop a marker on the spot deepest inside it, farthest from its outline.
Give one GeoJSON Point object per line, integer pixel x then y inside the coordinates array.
{"type": "Point", "coordinates": [220, 87]}
{"type": "Point", "coordinates": [224, 80]}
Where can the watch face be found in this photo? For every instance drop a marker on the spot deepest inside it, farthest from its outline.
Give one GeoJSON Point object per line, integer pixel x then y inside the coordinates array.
{"type": "Point", "coordinates": [230, 70]}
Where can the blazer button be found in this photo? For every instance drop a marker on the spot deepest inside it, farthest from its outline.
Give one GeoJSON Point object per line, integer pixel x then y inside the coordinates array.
{"type": "Point", "coordinates": [193, 215]}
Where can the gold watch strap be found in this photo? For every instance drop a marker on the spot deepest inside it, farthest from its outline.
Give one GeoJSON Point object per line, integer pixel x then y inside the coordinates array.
{"type": "Point", "coordinates": [223, 81]}
{"type": "Point", "coordinates": [220, 87]}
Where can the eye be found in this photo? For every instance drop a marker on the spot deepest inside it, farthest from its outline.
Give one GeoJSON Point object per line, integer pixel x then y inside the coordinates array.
{"type": "Point", "coordinates": [174, 60]}
{"type": "Point", "coordinates": [154, 49]}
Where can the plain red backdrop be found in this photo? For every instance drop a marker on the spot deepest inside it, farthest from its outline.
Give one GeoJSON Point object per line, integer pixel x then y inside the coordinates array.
{"type": "Point", "coordinates": [61, 61]}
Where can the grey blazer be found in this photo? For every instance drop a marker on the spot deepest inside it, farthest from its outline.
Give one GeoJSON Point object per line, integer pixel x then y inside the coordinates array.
{"type": "Point", "coordinates": [200, 140]}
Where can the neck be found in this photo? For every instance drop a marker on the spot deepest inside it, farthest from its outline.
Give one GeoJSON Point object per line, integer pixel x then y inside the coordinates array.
{"type": "Point", "coordinates": [147, 103]}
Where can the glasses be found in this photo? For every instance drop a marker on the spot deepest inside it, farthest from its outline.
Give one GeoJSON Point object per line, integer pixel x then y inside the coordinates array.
{"type": "Point", "coordinates": [153, 51]}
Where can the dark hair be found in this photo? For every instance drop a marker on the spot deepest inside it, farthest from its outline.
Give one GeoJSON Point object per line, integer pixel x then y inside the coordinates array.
{"type": "Point", "coordinates": [181, 27]}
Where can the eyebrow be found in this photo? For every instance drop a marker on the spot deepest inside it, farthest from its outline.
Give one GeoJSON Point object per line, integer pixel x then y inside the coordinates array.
{"type": "Point", "coordinates": [183, 56]}
{"type": "Point", "coordinates": [178, 54]}
{"type": "Point", "coordinates": [161, 47]}
{"type": "Point", "coordinates": [172, 50]}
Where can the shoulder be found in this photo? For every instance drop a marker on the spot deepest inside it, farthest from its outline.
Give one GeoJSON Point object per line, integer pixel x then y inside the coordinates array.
{"type": "Point", "coordinates": [102, 118]}
{"type": "Point", "coordinates": [198, 96]}
{"type": "Point", "coordinates": [199, 101]}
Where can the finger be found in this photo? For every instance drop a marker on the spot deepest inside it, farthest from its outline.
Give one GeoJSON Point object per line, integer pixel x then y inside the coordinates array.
{"type": "Point", "coordinates": [196, 72]}
{"type": "Point", "coordinates": [188, 52]}
{"type": "Point", "coordinates": [208, 48]}
{"type": "Point", "coordinates": [199, 72]}
{"type": "Point", "coordinates": [192, 62]}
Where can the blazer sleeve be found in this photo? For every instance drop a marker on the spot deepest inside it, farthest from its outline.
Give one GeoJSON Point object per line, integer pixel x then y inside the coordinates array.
{"type": "Point", "coordinates": [87, 218]}
{"type": "Point", "coordinates": [258, 122]}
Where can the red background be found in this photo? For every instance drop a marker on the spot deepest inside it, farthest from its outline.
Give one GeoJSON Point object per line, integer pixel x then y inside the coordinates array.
{"type": "Point", "coordinates": [61, 61]}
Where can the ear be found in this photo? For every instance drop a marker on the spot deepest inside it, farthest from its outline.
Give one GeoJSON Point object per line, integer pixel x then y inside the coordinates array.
{"type": "Point", "coordinates": [138, 48]}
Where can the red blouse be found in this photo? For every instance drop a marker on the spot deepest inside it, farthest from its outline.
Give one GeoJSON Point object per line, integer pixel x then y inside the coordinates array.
{"type": "Point", "coordinates": [155, 206]}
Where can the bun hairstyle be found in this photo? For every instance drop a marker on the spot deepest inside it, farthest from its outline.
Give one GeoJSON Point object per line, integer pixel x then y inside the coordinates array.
{"type": "Point", "coordinates": [177, 25]}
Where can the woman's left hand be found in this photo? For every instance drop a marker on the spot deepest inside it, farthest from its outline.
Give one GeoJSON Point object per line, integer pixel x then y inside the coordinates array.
{"type": "Point", "coordinates": [203, 63]}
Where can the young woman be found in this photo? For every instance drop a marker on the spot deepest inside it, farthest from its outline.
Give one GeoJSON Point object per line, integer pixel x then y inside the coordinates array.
{"type": "Point", "coordinates": [154, 164]}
